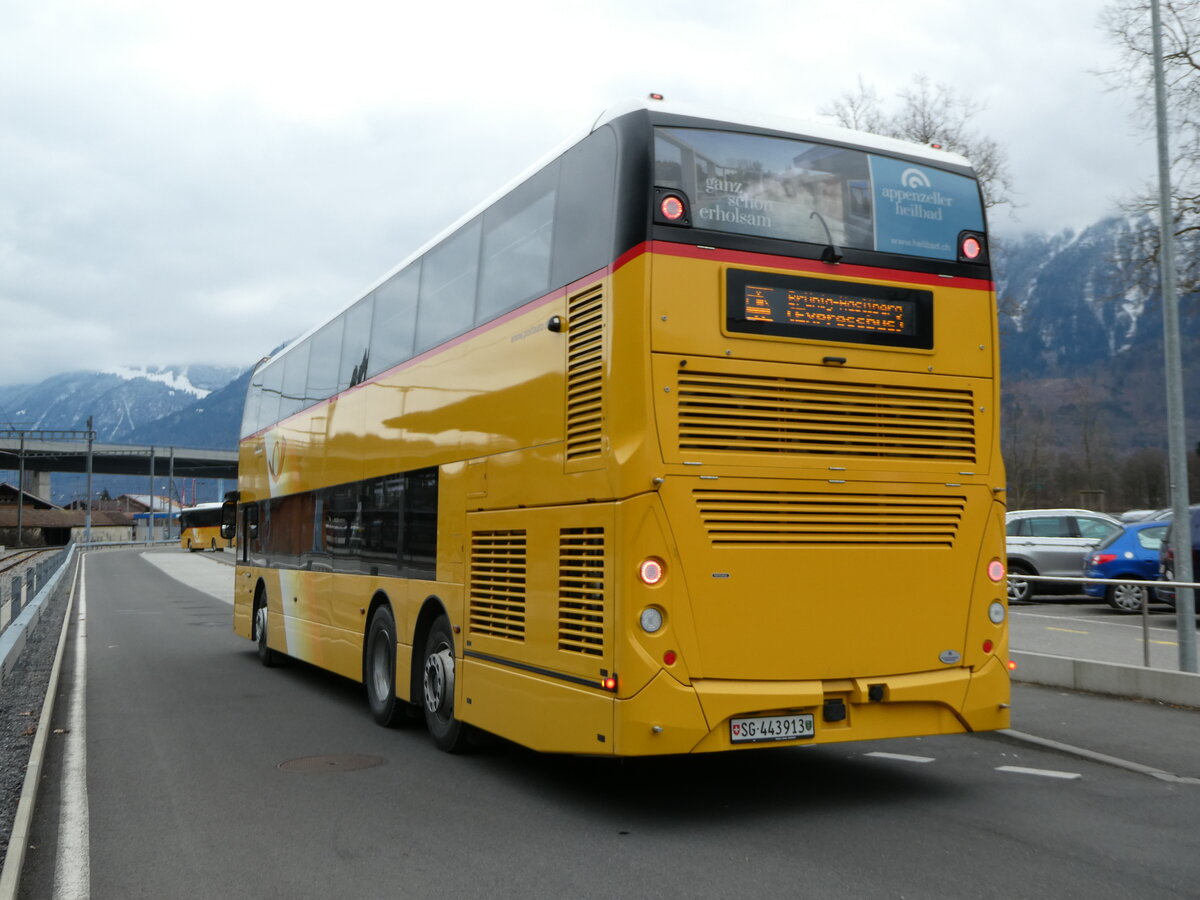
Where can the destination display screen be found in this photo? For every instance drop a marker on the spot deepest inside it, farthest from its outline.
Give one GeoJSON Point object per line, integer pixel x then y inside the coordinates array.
{"type": "Point", "coordinates": [819, 309]}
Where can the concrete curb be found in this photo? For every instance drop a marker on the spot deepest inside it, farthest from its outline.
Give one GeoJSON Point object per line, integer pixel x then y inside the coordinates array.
{"type": "Point", "coordinates": [1138, 682]}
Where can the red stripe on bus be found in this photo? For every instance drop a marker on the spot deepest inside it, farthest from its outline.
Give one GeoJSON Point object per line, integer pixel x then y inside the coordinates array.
{"type": "Point", "coordinates": [738, 257]}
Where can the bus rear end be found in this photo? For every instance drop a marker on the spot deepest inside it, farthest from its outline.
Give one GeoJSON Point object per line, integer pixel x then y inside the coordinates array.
{"type": "Point", "coordinates": [822, 389]}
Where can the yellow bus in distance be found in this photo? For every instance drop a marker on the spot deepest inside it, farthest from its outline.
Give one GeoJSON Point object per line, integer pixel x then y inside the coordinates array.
{"type": "Point", "coordinates": [685, 441]}
{"type": "Point", "coordinates": [200, 528]}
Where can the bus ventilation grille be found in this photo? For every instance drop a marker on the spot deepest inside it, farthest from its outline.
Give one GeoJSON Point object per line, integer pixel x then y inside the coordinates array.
{"type": "Point", "coordinates": [498, 584]}
{"type": "Point", "coordinates": [585, 376]}
{"type": "Point", "coordinates": [762, 414]}
{"type": "Point", "coordinates": [782, 518]}
{"type": "Point", "coordinates": [581, 590]}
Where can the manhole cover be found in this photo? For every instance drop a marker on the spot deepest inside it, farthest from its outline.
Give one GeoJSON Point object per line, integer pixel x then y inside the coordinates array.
{"type": "Point", "coordinates": [345, 762]}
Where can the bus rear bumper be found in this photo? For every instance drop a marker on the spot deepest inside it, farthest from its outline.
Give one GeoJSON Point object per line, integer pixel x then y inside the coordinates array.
{"type": "Point", "coordinates": [669, 717]}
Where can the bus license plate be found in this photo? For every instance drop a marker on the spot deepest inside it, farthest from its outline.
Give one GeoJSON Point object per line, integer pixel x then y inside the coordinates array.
{"type": "Point", "coordinates": [771, 728]}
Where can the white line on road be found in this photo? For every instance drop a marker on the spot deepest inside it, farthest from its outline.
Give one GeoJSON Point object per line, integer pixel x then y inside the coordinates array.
{"type": "Point", "coordinates": [72, 867]}
{"type": "Point", "coordinates": [1045, 773]}
{"type": "Point", "coordinates": [902, 757]}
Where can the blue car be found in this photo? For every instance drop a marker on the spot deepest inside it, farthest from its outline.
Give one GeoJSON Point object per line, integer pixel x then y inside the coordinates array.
{"type": "Point", "coordinates": [1131, 553]}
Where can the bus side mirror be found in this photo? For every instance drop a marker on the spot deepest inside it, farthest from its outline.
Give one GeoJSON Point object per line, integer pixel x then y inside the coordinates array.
{"type": "Point", "coordinates": [229, 519]}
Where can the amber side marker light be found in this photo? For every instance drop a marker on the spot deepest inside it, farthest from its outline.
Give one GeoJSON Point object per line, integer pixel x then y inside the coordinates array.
{"type": "Point", "coordinates": [1012, 665]}
{"type": "Point", "coordinates": [609, 683]}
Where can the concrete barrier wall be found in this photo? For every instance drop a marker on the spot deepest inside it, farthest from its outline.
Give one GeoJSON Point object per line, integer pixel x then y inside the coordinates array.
{"type": "Point", "coordinates": [1179, 688]}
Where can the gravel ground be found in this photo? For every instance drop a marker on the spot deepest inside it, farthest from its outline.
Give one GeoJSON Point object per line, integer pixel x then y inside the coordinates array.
{"type": "Point", "coordinates": [21, 698]}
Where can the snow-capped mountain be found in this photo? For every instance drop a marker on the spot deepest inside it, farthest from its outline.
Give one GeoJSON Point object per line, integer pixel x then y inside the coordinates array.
{"type": "Point", "coordinates": [122, 402]}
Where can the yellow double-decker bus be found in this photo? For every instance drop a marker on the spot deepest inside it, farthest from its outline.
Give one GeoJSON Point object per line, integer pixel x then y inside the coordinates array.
{"type": "Point", "coordinates": [200, 528]}
{"type": "Point", "coordinates": [685, 441]}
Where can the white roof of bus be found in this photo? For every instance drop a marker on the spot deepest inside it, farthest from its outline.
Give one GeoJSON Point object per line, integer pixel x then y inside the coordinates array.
{"type": "Point", "coordinates": [804, 128]}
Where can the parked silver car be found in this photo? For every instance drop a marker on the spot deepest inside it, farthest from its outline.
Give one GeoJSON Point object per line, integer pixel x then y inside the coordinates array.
{"type": "Point", "coordinates": [1051, 542]}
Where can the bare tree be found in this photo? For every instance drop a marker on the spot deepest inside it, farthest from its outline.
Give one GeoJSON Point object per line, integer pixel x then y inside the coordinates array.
{"type": "Point", "coordinates": [928, 113]}
{"type": "Point", "coordinates": [1127, 23]}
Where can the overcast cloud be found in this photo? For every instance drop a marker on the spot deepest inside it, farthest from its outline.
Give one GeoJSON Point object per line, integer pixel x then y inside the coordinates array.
{"type": "Point", "coordinates": [197, 183]}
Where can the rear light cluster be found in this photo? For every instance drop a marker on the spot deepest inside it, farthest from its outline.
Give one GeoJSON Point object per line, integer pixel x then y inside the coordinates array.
{"type": "Point", "coordinates": [1099, 559]}
{"type": "Point", "coordinates": [671, 207]}
{"type": "Point", "coordinates": [972, 247]}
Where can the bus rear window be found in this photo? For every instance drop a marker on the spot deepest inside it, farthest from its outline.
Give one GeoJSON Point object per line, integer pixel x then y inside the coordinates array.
{"type": "Point", "coordinates": [802, 191]}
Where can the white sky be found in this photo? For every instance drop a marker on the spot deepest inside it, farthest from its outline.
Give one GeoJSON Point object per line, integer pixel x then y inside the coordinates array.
{"type": "Point", "coordinates": [187, 182]}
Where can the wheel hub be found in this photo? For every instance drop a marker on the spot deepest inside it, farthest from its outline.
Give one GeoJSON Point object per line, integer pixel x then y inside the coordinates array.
{"type": "Point", "coordinates": [439, 682]}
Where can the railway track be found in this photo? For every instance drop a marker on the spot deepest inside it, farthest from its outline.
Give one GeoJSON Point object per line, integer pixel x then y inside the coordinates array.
{"type": "Point", "coordinates": [17, 557]}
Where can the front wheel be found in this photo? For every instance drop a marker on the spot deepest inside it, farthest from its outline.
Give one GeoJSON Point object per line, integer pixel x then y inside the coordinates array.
{"type": "Point", "coordinates": [448, 733]}
{"type": "Point", "coordinates": [1127, 597]}
{"type": "Point", "coordinates": [1019, 590]}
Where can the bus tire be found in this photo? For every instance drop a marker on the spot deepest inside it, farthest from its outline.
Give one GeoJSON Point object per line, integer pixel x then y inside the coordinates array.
{"type": "Point", "coordinates": [214, 545]}
{"type": "Point", "coordinates": [437, 682]}
{"type": "Point", "coordinates": [190, 548]}
{"type": "Point", "coordinates": [268, 657]}
{"type": "Point", "coordinates": [379, 670]}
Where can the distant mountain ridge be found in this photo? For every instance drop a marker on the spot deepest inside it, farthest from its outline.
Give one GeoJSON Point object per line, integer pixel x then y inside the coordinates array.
{"type": "Point", "coordinates": [131, 405]}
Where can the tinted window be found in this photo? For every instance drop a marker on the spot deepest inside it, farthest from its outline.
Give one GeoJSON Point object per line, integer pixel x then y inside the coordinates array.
{"type": "Point", "coordinates": [272, 375]}
{"type": "Point", "coordinates": [356, 338]}
{"type": "Point", "coordinates": [447, 303]}
{"type": "Point", "coordinates": [801, 191]}
{"type": "Point", "coordinates": [395, 320]}
{"type": "Point", "coordinates": [251, 412]}
{"type": "Point", "coordinates": [583, 220]}
{"type": "Point", "coordinates": [1014, 527]}
{"type": "Point", "coordinates": [1152, 538]}
{"type": "Point", "coordinates": [295, 380]}
{"type": "Point", "coordinates": [419, 555]}
{"type": "Point", "coordinates": [516, 246]}
{"type": "Point", "coordinates": [1049, 526]}
{"type": "Point", "coordinates": [1095, 529]}
{"type": "Point", "coordinates": [323, 361]}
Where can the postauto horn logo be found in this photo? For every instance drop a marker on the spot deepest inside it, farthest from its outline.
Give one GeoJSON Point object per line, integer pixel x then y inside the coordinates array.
{"type": "Point", "coordinates": [913, 179]}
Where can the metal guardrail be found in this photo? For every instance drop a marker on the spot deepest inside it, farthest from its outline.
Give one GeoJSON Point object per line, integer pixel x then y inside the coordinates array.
{"type": "Point", "coordinates": [1145, 610]}
{"type": "Point", "coordinates": [17, 591]}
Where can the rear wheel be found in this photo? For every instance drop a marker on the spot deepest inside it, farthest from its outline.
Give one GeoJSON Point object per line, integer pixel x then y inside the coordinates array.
{"type": "Point", "coordinates": [447, 732]}
{"type": "Point", "coordinates": [379, 670]}
{"type": "Point", "coordinates": [1127, 597]}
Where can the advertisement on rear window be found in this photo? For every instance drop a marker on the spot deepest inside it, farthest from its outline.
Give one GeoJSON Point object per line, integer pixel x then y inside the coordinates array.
{"type": "Point", "coordinates": [919, 211]}
{"type": "Point", "coordinates": [814, 193]}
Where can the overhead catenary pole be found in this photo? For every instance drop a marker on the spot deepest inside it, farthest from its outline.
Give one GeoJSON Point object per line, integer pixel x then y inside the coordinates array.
{"type": "Point", "coordinates": [87, 516]}
{"type": "Point", "coordinates": [21, 492]}
{"type": "Point", "coordinates": [1181, 525]}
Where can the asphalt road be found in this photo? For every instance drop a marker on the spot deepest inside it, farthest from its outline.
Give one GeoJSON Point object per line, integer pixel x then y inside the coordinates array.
{"type": "Point", "coordinates": [1083, 627]}
{"type": "Point", "coordinates": [198, 773]}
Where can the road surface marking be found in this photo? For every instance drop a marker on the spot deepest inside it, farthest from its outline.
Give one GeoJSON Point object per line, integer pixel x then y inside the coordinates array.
{"type": "Point", "coordinates": [903, 757]}
{"type": "Point", "coordinates": [1045, 773]}
{"type": "Point", "coordinates": [72, 865]}
{"type": "Point", "coordinates": [1068, 630]}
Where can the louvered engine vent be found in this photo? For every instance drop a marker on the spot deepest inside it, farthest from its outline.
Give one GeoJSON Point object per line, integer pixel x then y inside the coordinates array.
{"type": "Point", "coordinates": [781, 518]}
{"type": "Point", "coordinates": [581, 591]}
{"type": "Point", "coordinates": [585, 376]}
{"type": "Point", "coordinates": [759, 414]}
{"type": "Point", "coordinates": [497, 600]}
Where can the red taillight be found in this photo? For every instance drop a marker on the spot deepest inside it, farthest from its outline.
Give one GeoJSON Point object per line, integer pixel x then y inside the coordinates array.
{"type": "Point", "coordinates": [1099, 559]}
{"type": "Point", "coordinates": [651, 571]}
{"type": "Point", "coordinates": [669, 658]}
{"type": "Point", "coordinates": [672, 208]}
{"type": "Point", "coordinates": [987, 646]}
{"type": "Point", "coordinates": [995, 571]}
{"type": "Point", "coordinates": [971, 248]}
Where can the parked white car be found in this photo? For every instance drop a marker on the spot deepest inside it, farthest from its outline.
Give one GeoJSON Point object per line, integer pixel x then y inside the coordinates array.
{"type": "Point", "coordinates": [1051, 542]}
